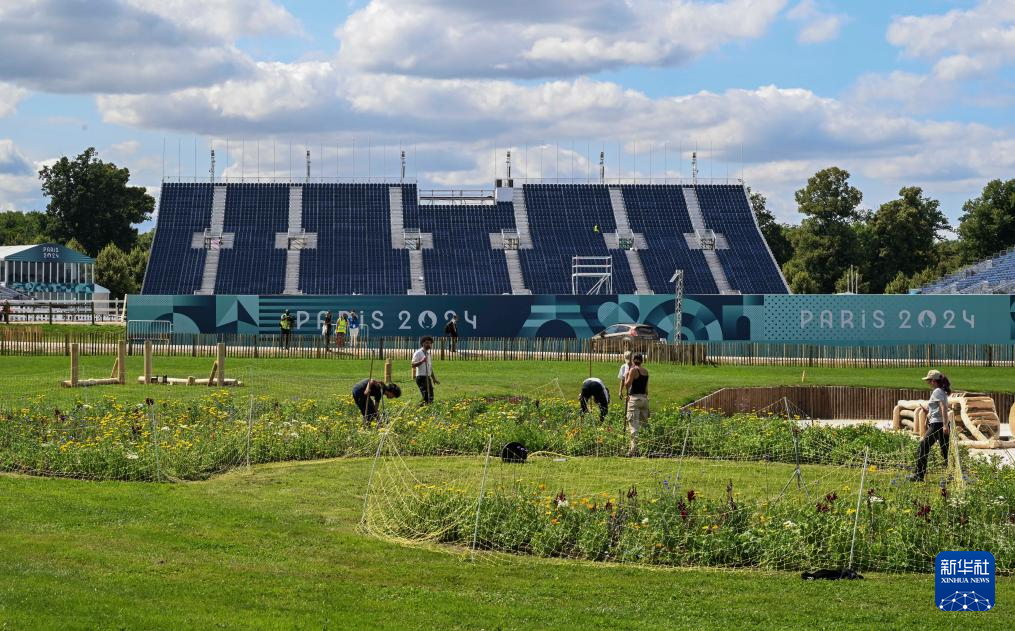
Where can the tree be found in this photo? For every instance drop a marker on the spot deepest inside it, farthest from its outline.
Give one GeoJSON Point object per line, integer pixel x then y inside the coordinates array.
{"type": "Point", "coordinates": [22, 228]}
{"type": "Point", "coordinates": [987, 224]}
{"type": "Point", "coordinates": [827, 242]}
{"type": "Point", "coordinates": [75, 245]}
{"type": "Point", "coordinates": [90, 201]}
{"type": "Point", "coordinates": [901, 284]}
{"type": "Point", "coordinates": [775, 233]}
{"type": "Point", "coordinates": [903, 236]}
{"type": "Point", "coordinates": [114, 271]}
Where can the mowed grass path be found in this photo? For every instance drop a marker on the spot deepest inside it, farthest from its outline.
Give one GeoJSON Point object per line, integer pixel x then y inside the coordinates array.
{"type": "Point", "coordinates": [278, 547]}
{"type": "Point", "coordinates": [319, 378]}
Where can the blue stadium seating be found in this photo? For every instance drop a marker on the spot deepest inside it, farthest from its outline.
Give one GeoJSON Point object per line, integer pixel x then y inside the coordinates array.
{"type": "Point", "coordinates": [254, 213]}
{"type": "Point", "coordinates": [461, 261]}
{"type": "Point", "coordinates": [748, 262]}
{"type": "Point", "coordinates": [354, 252]}
{"type": "Point", "coordinates": [174, 267]}
{"type": "Point", "coordinates": [562, 218]}
{"type": "Point", "coordinates": [660, 213]}
{"type": "Point", "coordinates": [994, 275]}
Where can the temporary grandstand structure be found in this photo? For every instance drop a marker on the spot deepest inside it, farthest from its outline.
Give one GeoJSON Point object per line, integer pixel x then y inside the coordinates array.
{"type": "Point", "coordinates": [995, 275]}
{"type": "Point", "coordinates": [389, 238]}
{"type": "Point", "coordinates": [46, 271]}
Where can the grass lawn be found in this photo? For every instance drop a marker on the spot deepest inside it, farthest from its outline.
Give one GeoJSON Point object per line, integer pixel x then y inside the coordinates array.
{"type": "Point", "coordinates": [318, 378]}
{"type": "Point", "coordinates": [278, 548]}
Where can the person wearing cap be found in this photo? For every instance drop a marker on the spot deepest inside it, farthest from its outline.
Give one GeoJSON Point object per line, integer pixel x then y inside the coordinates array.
{"type": "Point", "coordinates": [623, 373]}
{"type": "Point", "coordinates": [636, 384]}
{"type": "Point", "coordinates": [594, 388]}
{"type": "Point", "coordinates": [938, 426]}
{"type": "Point", "coordinates": [367, 395]}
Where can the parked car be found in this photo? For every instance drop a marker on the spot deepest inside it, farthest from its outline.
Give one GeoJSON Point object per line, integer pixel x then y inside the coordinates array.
{"type": "Point", "coordinates": [621, 337]}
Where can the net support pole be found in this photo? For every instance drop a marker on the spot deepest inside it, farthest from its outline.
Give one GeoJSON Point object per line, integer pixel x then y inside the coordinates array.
{"type": "Point", "coordinates": [250, 427]}
{"type": "Point", "coordinates": [482, 492]}
{"type": "Point", "coordinates": [859, 500]}
{"type": "Point", "coordinates": [155, 444]}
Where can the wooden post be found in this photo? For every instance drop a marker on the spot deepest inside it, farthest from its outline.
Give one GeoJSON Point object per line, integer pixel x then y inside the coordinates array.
{"type": "Point", "coordinates": [387, 370]}
{"type": "Point", "coordinates": [221, 364]}
{"type": "Point", "coordinates": [51, 313]}
{"type": "Point", "coordinates": [74, 367]}
{"type": "Point", "coordinates": [121, 362]}
{"type": "Point", "coordinates": [92, 305]}
{"type": "Point", "coordinates": [147, 361]}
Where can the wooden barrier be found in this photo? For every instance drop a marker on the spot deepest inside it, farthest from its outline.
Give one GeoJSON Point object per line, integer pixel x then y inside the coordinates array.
{"type": "Point", "coordinates": [825, 402]}
{"type": "Point", "coordinates": [117, 376]}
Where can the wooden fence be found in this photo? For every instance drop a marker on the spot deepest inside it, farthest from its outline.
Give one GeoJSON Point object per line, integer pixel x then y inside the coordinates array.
{"type": "Point", "coordinates": [825, 402]}
{"type": "Point", "coordinates": [28, 340]}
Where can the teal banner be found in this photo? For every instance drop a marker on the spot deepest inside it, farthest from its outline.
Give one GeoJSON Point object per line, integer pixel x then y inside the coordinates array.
{"type": "Point", "coordinates": [809, 319]}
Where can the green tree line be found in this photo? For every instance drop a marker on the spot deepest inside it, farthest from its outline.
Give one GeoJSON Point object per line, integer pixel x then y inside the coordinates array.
{"type": "Point", "coordinates": [899, 246]}
{"type": "Point", "coordinates": [92, 209]}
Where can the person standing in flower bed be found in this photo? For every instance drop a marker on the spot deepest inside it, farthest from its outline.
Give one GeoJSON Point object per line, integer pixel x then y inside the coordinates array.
{"type": "Point", "coordinates": [938, 426]}
{"type": "Point", "coordinates": [622, 375]}
{"type": "Point", "coordinates": [367, 395]}
{"type": "Point", "coordinates": [636, 385]}
{"type": "Point", "coordinates": [422, 370]}
{"type": "Point", "coordinates": [326, 332]}
{"type": "Point", "coordinates": [594, 388]}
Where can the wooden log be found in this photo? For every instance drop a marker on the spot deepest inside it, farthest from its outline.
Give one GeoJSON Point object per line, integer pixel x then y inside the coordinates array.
{"type": "Point", "coordinates": [388, 370]}
{"type": "Point", "coordinates": [147, 362]}
{"type": "Point", "coordinates": [897, 418]}
{"type": "Point", "coordinates": [211, 378]}
{"type": "Point", "coordinates": [121, 362]}
{"type": "Point", "coordinates": [920, 423]}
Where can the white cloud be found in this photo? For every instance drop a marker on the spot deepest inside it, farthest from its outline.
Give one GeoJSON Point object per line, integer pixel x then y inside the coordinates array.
{"type": "Point", "coordinates": [130, 46]}
{"type": "Point", "coordinates": [816, 25]}
{"type": "Point", "coordinates": [481, 38]}
{"type": "Point", "coordinates": [786, 133]}
{"type": "Point", "coordinates": [963, 43]}
{"type": "Point", "coordinates": [10, 96]}
{"type": "Point", "coordinates": [226, 19]}
{"type": "Point", "coordinates": [126, 148]}
{"type": "Point", "coordinates": [12, 161]}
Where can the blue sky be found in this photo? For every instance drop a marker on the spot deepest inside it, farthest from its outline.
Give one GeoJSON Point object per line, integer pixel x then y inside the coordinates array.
{"type": "Point", "coordinates": [901, 93]}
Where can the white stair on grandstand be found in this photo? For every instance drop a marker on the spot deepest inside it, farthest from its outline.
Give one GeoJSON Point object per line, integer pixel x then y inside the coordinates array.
{"type": "Point", "coordinates": [292, 256]}
{"type": "Point", "coordinates": [514, 266]}
{"type": "Point", "coordinates": [711, 258]}
{"type": "Point", "coordinates": [397, 218]}
{"type": "Point", "coordinates": [418, 287]}
{"type": "Point", "coordinates": [211, 258]}
{"type": "Point", "coordinates": [718, 274]}
{"type": "Point", "coordinates": [693, 207]}
{"type": "Point", "coordinates": [521, 219]}
{"type": "Point", "coordinates": [620, 218]}
{"type": "Point", "coordinates": [638, 272]}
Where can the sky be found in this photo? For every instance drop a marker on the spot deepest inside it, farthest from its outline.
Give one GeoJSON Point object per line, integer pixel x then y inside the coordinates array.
{"type": "Point", "coordinates": [899, 93]}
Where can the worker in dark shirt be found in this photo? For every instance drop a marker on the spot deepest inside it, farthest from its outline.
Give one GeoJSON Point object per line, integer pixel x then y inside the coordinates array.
{"type": "Point", "coordinates": [367, 395]}
{"type": "Point", "coordinates": [451, 330]}
{"type": "Point", "coordinates": [595, 389]}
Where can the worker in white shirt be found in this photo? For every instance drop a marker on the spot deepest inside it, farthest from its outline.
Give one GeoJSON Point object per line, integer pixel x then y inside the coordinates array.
{"type": "Point", "coordinates": [422, 370]}
{"type": "Point", "coordinates": [622, 375]}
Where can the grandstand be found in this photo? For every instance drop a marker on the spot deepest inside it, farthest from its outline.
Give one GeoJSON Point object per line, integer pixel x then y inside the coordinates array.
{"type": "Point", "coordinates": [390, 238]}
{"type": "Point", "coordinates": [995, 275]}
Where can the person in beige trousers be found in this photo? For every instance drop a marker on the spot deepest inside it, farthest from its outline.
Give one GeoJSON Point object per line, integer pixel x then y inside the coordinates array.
{"type": "Point", "coordinates": [636, 384]}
